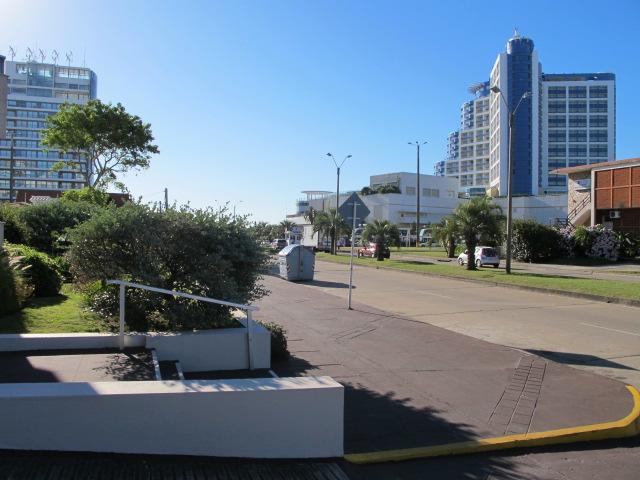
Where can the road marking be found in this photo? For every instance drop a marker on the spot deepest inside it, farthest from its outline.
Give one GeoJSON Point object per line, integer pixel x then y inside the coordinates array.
{"type": "Point", "coordinates": [611, 329]}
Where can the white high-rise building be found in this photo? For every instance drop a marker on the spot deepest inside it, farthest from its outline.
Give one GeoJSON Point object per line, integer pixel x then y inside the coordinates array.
{"type": "Point", "coordinates": [563, 120]}
{"type": "Point", "coordinates": [35, 91]}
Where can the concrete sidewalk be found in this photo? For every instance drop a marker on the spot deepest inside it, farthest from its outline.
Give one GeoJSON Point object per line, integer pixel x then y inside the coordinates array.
{"type": "Point", "coordinates": [410, 384]}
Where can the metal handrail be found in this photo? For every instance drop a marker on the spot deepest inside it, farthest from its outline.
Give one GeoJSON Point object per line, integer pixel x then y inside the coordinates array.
{"type": "Point", "coordinates": [578, 208]}
{"type": "Point", "coordinates": [123, 284]}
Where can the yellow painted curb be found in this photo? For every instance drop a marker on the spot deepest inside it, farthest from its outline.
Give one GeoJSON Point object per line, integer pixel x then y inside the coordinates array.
{"type": "Point", "coordinates": [625, 427]}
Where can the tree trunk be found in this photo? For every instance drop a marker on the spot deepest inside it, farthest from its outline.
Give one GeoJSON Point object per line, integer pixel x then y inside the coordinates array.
{"type": "Point", "coordinates": [471, 256]}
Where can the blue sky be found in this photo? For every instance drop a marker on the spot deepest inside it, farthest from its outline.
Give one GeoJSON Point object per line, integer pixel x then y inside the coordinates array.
{"type": "Point", "coordinates": [246, 97]}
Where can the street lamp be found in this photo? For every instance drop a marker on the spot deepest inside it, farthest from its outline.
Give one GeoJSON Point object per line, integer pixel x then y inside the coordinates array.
{"type": "Point", "coordinates": [512, 116]}
{"type": "Point", "coordinates": [335, 239]}
{"type": "Point", "coordinates": [417, 144]}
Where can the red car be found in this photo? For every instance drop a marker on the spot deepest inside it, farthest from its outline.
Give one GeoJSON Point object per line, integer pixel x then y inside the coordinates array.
{"type": "Point", "coordinates": [371, 251]}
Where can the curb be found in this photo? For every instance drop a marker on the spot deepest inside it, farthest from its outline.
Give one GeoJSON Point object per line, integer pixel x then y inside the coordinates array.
{"type": "Point", "coordinates": [585, 296]}
{"type": "Point", "coordinates": [628, 426]}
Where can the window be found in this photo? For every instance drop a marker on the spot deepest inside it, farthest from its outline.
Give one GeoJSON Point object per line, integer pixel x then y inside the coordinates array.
{"type": "Point", "coordinates": [574, 162]}
{"type": "Point", "coordinates": [577, 92]}
{"type": "Point", "coordinates": [598, 121]}
{"type": "Point", "coordinates": [410, 190]}
{"type": "Point", "coordinates": [557, 107]}
{"type": "Point", "coordinates": [598, 106]}
{"type": "Point", "coordinates": [577, 107]}
{"type": "Point", "coordinates": [557, 150]}
{"type": "Point", "coordinates": [578, 121]}
{"type": "Point", "coordinates": [557, 180]}
{"type": "Point", "coordinates": [557, 136]}
{"type": "Point", "coordinates": [557, 92]}
{"type": "Point", "coordinates": [430, 192]}
{"type": "Point", "coordinates": [598, 91]}
{"type": "Point", "coordinates": [557, 121]}
{"type": "Point", "coordinates": [598, 135]}
{"type": "Point", "coordinates": [577, 150]}
{"type": "Point", "coordinates": [577, 135]}
{"type": "Point", "coordinates": [598, 150]}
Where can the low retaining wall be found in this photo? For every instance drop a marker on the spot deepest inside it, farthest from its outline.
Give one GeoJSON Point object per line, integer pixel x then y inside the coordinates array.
{"type": "Point", "coordinates": [256, 418]}
{"type": "Point", "coordinates": [67, 341]}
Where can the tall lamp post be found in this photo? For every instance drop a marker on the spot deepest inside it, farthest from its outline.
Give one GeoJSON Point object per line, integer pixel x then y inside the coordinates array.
{"type": "Point", "coordinates": [334, 247]}
{"type": "Point", "coordinates": [417, 144]}
{"type": "Point", "coordinates": [512, 116]}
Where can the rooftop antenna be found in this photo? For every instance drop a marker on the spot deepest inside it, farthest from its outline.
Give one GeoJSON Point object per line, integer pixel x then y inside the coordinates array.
{"type": "Point", "coordinates": [54, 56]}
{"type": "Point", "coordinates": [29, 54]}
{"type": "Point", "coordinates": [43, 55]}
{"type": "Point", "coordinates": [515, 32]}
{"type": "Point", "coordinates": [69, 56]}
{"type": "Point", "coordinates": [12, 52]}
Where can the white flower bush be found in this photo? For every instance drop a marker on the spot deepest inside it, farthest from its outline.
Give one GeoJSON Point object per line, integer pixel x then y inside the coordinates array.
{"type": "Point", "coordinates": [605, 243]}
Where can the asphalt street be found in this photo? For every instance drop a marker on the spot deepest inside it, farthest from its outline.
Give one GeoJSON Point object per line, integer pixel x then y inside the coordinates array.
{"type": "Point", "coordinates": [596, 336]}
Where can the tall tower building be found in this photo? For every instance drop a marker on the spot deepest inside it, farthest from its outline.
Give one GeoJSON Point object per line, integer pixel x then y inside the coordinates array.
{"type": "Point", "coordinates": [567, 120]}
{"type": "Point", "coordinates": [36, 90]}
{"type": "Point", "coordinates": [515, 72]}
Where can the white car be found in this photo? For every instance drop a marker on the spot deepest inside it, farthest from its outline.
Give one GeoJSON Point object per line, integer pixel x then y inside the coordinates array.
{"type": "Point", "coordinates": [483, 256]}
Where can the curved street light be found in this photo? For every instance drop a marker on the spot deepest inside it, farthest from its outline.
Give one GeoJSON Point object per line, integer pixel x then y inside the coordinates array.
{"type": "Point", "coordinates": [512, 116]}
{"type": "Point", "coordinates": [418, 145]}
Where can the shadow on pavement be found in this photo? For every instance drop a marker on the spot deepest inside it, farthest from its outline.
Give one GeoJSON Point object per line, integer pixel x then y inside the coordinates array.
{"type": "Point", "coordinates": [376, 420]}
{"type": "Point", "coordinates": [579, 359]}
{"type": "Point", "coordinates": [326, 284]}
{"type": "Point", "coordinates": [16, 368]}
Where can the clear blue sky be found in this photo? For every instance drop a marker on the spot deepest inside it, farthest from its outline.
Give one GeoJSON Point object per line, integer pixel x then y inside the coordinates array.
{"type": "Point", "coordinates": [246, 97]}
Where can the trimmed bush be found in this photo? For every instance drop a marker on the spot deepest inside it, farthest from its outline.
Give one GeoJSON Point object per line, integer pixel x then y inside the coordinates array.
{"type": "Point", "coordinates": [201, 252]}
{"type": "Point", "coordinates": [15, 230]}
{"type": "Point", "coordinates": [46, 223]}
{"type": "Point", "coordinates": [535, 242]}
{"type": "Point", "coordinates": [629, 244]}
{"type": "Point", "coordinates": [279, 349]}
{"type": "Point", "coordinates": [14, 290]}
{"type": "Point", "coordinates": [41, 271]}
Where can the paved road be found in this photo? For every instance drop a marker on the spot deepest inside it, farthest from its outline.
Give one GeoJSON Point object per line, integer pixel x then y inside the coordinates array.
{"type": "Point", "coordinates": [601, 337]}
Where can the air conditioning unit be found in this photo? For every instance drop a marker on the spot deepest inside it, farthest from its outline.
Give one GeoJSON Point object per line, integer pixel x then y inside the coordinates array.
{"type": "Point", "coordinates": [614, 214]}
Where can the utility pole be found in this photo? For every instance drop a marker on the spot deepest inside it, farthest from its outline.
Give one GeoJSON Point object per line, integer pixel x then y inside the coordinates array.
{"type": "Point", "coordinates": [353, 240]}
{"type": "Point", "coordinates": [166, 199]}
{"type": "Point", "coordinates": [417, 144]}
{"type": "Point", "coordinates": [334, 246]}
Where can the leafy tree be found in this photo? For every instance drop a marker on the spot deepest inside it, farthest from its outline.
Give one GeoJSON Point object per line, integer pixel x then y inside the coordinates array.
{"type": "Point", "coordinates": [383, 234]}
{"type": "Point", "coordinates": [447, 233]}
{"type": "Point", "coordinates": [15, 231]}
{"type": "Point", "coordinates": [331, 224]}
{"type": "Point", "coordinates": [201, 252]}
{"type": "Point", "coordinates": [479, 219]}
{"type": "Point", "coordinates": [310, 215]}
{"type": "Point", "coordinates": [366, 191]}
{"type": "Point", "coordinates": [89, 195]}
{"type": "Point", "coordinates": [112, 140]}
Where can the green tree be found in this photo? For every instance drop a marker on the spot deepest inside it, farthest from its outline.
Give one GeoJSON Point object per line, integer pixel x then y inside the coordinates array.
{"type": "Point", "coordinates": [89, 195]}
{"type": "Point", "coordinates": [285, 226]}
{"type": "Point", "coordinates": [331, 224]}
{"type": "Point", "coordinates": [479, 219]}
{"type": "Point", "coordinates": [383, 234]}
{"type": "Point", "coordinates": [447, 233]}
{"type": "Point", "coordinates": [310, 215]}
{"type": "Point", "coordinates": [112, 140]}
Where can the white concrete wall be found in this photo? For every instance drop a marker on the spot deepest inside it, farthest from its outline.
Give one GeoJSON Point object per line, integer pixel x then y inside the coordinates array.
{"type": "Point", "coordinates": [541, 208]}
{"type": "Point", "coordinates": [66, 341]}
{"type": "Point", "coordinates": [223, 349]}
{"type": "Point", "coordinates": [257, 418]}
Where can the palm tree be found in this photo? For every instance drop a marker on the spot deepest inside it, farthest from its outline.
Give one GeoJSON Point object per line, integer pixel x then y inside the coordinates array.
{"type": "Point", "coordinates": [310, 215]}
{"type": "Point", "coordinates": [286, 226]}
{"type": "Point", "coordinates": [478, 219]}
{"type": "Point", "coordinates": [447, 233]}
{"type": "Point", "coordinates": [332, 224]}
{"type": "Point", "coordinates": [383, 234]}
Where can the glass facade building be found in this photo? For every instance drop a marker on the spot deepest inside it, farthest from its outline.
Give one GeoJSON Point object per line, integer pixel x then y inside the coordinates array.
{"type": "Point", "coordinates": [34, 92]}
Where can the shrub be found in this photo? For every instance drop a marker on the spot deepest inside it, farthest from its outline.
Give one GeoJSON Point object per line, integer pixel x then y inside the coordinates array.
{"type": "Point", "coordinates": [14, 290]}
{"type": "Point", "coordinates": [88, 195]}
{"type": "Point", "coordinates": [42, 272]}
{"type": "Point", "coordinates": [279, 350]}
{"type": "Point", "coordinates": [534, 242]}
{"type": "Point", "coordinates": [201, 252]}
{"type": "Point", "coordinates": [597, 242]}
{"type": "Point", "coordinates": [567, 243]}
{"type": "Point", "coordinates": [629, 244]}
{"type": "Point", "coordinates": [46, 223]}
{"type": "Point", "coordinates": [15, 230]}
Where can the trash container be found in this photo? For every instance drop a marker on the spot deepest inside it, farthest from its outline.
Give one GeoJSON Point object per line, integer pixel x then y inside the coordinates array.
{"type": "Point", "coordinates": [296, 262]}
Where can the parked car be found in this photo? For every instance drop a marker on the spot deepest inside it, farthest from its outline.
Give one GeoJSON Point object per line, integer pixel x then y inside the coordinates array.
{"type": "Point", "coordinates": [279, 243]}
{"type": "Point", "coordinates": [483, 256]}
{"type": "Point", "coordinates": [371, 251]}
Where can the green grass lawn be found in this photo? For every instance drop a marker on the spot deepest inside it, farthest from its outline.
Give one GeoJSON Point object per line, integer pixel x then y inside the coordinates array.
{"type": "Point", "coordinates": [607, 288]}
{"type": "Point", "coordinates": [63, 313]}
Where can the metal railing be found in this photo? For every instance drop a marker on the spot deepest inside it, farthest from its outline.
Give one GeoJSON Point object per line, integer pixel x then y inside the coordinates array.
{"type": "Point", "coordinates": [246, 308]}
{"type": "Point", "coordinates": [578, 208]}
